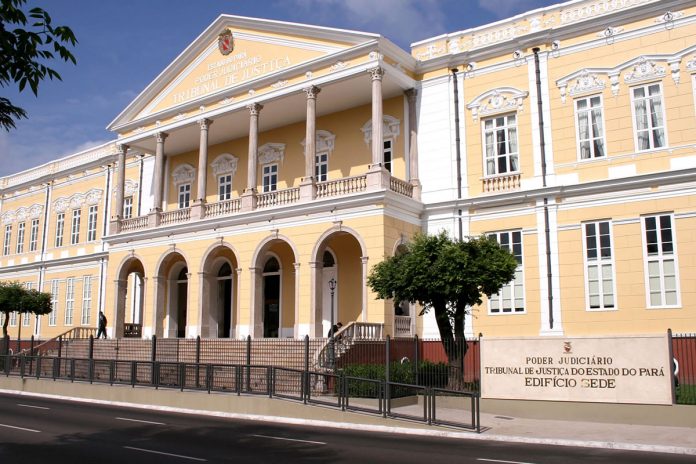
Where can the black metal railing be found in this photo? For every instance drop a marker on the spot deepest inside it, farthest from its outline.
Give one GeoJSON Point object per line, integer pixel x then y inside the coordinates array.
{"type": "Point", "coordinates": [381, 397]}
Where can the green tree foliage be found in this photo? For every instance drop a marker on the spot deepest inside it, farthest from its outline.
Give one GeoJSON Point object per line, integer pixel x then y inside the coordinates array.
{"type": "Point", "coordinates": [26, 43]}
{"type": "Point", "coordinates": [445, 276]}
{"type": "Point", "coordinates": [14, 297]}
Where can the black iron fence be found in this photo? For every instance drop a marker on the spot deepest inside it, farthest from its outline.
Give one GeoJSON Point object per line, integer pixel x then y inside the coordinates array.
{"type": "Point", "coordinates": [380, 397]}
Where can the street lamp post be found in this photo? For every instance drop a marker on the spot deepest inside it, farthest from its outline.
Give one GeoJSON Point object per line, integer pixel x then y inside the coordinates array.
{"type": "Point", "coordinates": [332, 353]}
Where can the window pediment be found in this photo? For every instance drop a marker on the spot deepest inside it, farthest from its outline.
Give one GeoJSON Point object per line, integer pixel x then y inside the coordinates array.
{"type": "Point", "coordinates": [183, 174]}
{"type": "Point", "coordinates": [496, 101]}
{"type": "Point", "coordinates": [324, 141]}
{"type": "Point", "coordinates": [225, 164]}
{"type": "Point", "coordinates": [22, 214]}
{"type": "Point", "coordinates": [271, 153]}
{"type": "Point", "coordinates": [391, 128]}
{"type": "Point", "coordinates": [76, 200]}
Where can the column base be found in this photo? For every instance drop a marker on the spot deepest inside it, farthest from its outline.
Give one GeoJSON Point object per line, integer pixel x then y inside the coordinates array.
{"type": "Point", "coordinates": [198, 210]}
{"type": "Point", "coordinates": [153, 219]}
{"type": "Point", "coordinates": [378, 178]}
{"type": "Point", "coordinates": [417, 189]}
{"type": "Point", "coordinates": [308, 189]}
{"type": "Point", "coordinates": [248, 200]}
{"type": "Point", "coordinates": [115, 226]}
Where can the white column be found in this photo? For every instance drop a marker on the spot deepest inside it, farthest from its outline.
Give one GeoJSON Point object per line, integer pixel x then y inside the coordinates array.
{"type": "Point", "coordinates": [203, 159]}
{"type": "Point", "coordinates": [159, 179]}
{"type": "Point", "coordinates": [412, 95]}
{"type": "Point", "coordinates": [377, 114]}
{"type": "Point", "coordinates": [120, 182]}
{"type": "Point", "coordinates": [249, 196]}
{"type": "Point", "coordinates": [363, 260]}
{"type": "Point", "coordinates": [311, 133]}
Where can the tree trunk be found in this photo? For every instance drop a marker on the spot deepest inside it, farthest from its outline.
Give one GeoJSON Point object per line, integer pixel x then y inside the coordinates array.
{"type": "Point", "coordinates": [4, 324]}
{"type": "Point", "coordinates": [453, 342]}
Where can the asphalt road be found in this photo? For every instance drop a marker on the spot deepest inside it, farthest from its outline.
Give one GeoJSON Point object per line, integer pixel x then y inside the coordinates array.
{"type": "Point", "coordinates": [37, 430]}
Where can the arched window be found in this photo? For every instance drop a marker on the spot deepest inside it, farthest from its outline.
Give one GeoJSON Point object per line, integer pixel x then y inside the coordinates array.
{"type": "Point", "coordinates": [225, 270]}
{"type": "Point", "coordinates": [183, 274]}
{"type": "Point", "coordinates": [272, 265]}
{"type": "Point", "coordinates": [329, 259]}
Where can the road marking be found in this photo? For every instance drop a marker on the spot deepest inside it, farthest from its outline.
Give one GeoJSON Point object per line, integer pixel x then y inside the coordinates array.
{"type": "Point", "coordinates": [504, 462]}
{"type": "Point", "coordinates": [30, 406]}
{"type": "Point", "coordinates": [19, 428]}
{"type": "Point", "coordinates": [165, 454]}
{"type": "Point", "coordinates": [290, 439]}
{"type": "Point", "coordinates": [141, 421]}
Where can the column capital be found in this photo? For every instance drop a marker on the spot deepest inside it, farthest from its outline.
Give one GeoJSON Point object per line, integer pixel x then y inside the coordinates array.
{"type": "Point", "coordinates": [205, 123]}
{"type": "Point", "coordinates": [254, 109]}
{"type": "Point", "coordinates": [411, 94]}
{"type": "Point", "coordinates": [122, 149]}
{"type": "Point", "coordinates": [376, 73]}
{"type": "Point", "coordinates": [312, 91]}
{"type": "Point", "coordinates": [161, 136]}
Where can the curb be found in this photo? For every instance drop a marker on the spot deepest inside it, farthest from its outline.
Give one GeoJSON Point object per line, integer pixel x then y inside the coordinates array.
{"type": "Point", "coordinates": [639, 447]}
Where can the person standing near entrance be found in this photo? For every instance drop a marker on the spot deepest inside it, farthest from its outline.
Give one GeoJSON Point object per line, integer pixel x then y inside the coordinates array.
{"type": "Point", "coordinates": [102, 325]}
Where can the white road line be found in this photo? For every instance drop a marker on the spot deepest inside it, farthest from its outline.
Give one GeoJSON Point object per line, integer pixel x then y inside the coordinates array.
{"type": "Point", "coordinates": [141, 421]}
{"type": "Point", "coordinates": [30, 406]}
{"type": "Point", "coordinates": [165, 454]}
{"type": "Point", "coordinates": [504, 462]}
{"type": "Point", "coordinates": [290, 439]}
{"type": "Point", "coordinates": [19, 428]}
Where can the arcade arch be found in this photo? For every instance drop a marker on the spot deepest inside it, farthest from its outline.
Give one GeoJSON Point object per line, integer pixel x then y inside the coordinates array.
{"type": "Point", "coordinates": [130, 296]}
{"type": "Point", "coordinates": [219, 290]}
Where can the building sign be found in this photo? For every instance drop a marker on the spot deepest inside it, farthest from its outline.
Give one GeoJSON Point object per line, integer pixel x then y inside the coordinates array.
{"type": "Point", "coordinates": [630, 369]}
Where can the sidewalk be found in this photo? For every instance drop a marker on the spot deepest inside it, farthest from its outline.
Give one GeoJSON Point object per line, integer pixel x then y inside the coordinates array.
{"type": "Point", "coordinates": [499, 427]}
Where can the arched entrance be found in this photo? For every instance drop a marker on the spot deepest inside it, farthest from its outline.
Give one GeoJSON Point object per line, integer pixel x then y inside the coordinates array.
{"type": "Point", "coordinates": [339, 254]}
{"type": "Point", "coordinates": [219, 293]}
{"type": "Point", "coordinates": [128, 318]}
{"type": "Point", "coordinates": [171, 299]}
{"type": "Point", "coordinates": [274, 308]}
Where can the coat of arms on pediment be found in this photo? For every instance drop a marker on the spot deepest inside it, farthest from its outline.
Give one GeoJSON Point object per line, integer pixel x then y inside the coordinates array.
{"type": "Point", "coordinates": [226, 42]}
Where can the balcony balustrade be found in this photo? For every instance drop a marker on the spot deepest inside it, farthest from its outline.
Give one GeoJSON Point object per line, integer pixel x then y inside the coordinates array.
{"type": "Point", "coordinates": [277, 198]}
{"type": "Point", "coordinates": [504, 183]}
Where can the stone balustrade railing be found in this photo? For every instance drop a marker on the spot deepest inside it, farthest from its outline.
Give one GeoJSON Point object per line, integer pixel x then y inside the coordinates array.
{"type": "Point", "coordinates": [401, 187]}
{"type": "Point", "coordinates": [135, 223]}
{"type": "Point", "coordinates": [343, 186]}
{"type": "Point", "coordinates": [177, 215]}
{"type": "Point", "coordinates": [277, 198]}
{"type": "Point", "coordinates": [504, 183]}
{"type": "Point", "coordinates": [222, 208]}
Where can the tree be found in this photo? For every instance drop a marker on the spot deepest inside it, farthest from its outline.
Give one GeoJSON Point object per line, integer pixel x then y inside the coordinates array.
{"type": "Point", "coordinates": [24, 48]}
{"type": "Point", "coordinates": [448, 277]}
{"type": "Point", "coordinates": [14, 297]}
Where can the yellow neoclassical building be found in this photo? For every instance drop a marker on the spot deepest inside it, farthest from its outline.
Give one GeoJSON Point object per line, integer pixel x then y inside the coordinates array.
{"type": "Point", "coordinates": [255, 182]}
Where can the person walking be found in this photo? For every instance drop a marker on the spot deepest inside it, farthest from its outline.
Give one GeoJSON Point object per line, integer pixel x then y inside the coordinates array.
{"type": "Point", "coordinates": [102, 325]}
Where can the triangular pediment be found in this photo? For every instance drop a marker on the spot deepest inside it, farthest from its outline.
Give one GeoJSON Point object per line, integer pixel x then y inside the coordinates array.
{"type": "Point", "coordinates": [257, 49]}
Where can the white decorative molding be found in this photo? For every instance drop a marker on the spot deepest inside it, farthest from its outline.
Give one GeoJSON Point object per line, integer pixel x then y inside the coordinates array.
{"type": "Point", "coordinates": [179, 117]}
{"type": "Point", "coordinates": [675, 69]}
{"type": "Point", "coordinates": [453, 46]}
{"type": "Point", "coordinates": [691, 64]}
{"type": "Point", "coordinates": [139, 130]}
{"type": "Point", "coordinates": [35, 211]}
{"type": "Point", "coordinates": [669, 16]}
{"type": "Point", "coordinates": [431, 52]}
{"type": "Point", "coordinates": [580, 83]}
{"type": "Point", "coordinates": [183, 174]}
{"type": "Point", "coordinates": [22, 213]}
{"type": "Point", "coordinates": [130, 188]}
{"type": "Point", "coordinates": [375, 56]}
{"type": "Point", "coordinates": [572, 14]}
{"type": "Point", "coordinates": [391, 127]}
{"type": "Point", "coordinates": [76, 200]}
{"type": "Point", "coordinates": [271, 153]}
{"type": "Point", "coordinates": [252, 92]}
{"type": "Point", "coordinates": [226, 100]}
{"type": "Point", "coordinates": [495, 101]}
{"type": "Point", "coordinates": [644, 70]}
{"type": "Point", "coordinates": [225, 164]}
{"type": "Point", "coordinates": [280, 84]}
{"type": "Point", "coordinates": [614, 81]}
{"type": "Point", "coordinates": [338, 65]}
{"type": "Point", "coordinates": [610, 32]}
{"type": "Point", "coordinates": [8, 217]}
{"type": "Point", "coordinates": [325, 141]}
{"type": "Point", "coordinates": [308, 75]}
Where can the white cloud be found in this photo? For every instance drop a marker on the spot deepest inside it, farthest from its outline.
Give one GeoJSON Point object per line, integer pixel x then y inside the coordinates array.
{"type": "Point", "coordinates": [402, 21]}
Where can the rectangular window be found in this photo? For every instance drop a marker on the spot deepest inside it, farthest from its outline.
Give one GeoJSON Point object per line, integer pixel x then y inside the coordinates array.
{"type": "Point", "coordinates": [225, 187]}
{"type": "Point", "coordinates": [387, 153]}
{"type": "Point", "coordinates": [34, 235]}
{"type": "Point", "coordinates": [500, 141]}
{"type": "Point", "coordinates": [54, 302]}
{"type": "Point", "coordinates": [649, 117]}
{"type": "Point", "coordinates": [321, 167]}
{"type": "Point", "coordinates": [511, 297]}
{"type": "Point", "coordinates": [270, 177]}
{"type": "Point", "coordinates": [92, 224]}
{"type": "Point", "coordinates": [127, 207]}
{"type": "Point", "coordinates": [590, 126]}
{"type": "Point", "coordinates": [86, 299]}
{"type": "Point", "coordinates": [184, 195]}
{"type": "Point", "coordinates": [26, 317]}
{"type": "Point", "coordinates": [661, 261]}
{"type": "Point", "coordinates": [75, 228]}
{"type": "Point", "coordinates": [13, 319]}
{"type": "Point", "coordinates": [69, 301]}
{"type": "Point", "coordinates": [599, 266]}
{"type": "Point", "coordinates": [60, 228]}
{"type": "Point", "coordinates": [8, 237]}
{"type": "Point", "coordinates": [20, 237]}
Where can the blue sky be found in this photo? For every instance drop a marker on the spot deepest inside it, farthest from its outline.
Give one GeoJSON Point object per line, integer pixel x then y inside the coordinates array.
{"type": "Point", "coordinates": [124, 45]}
